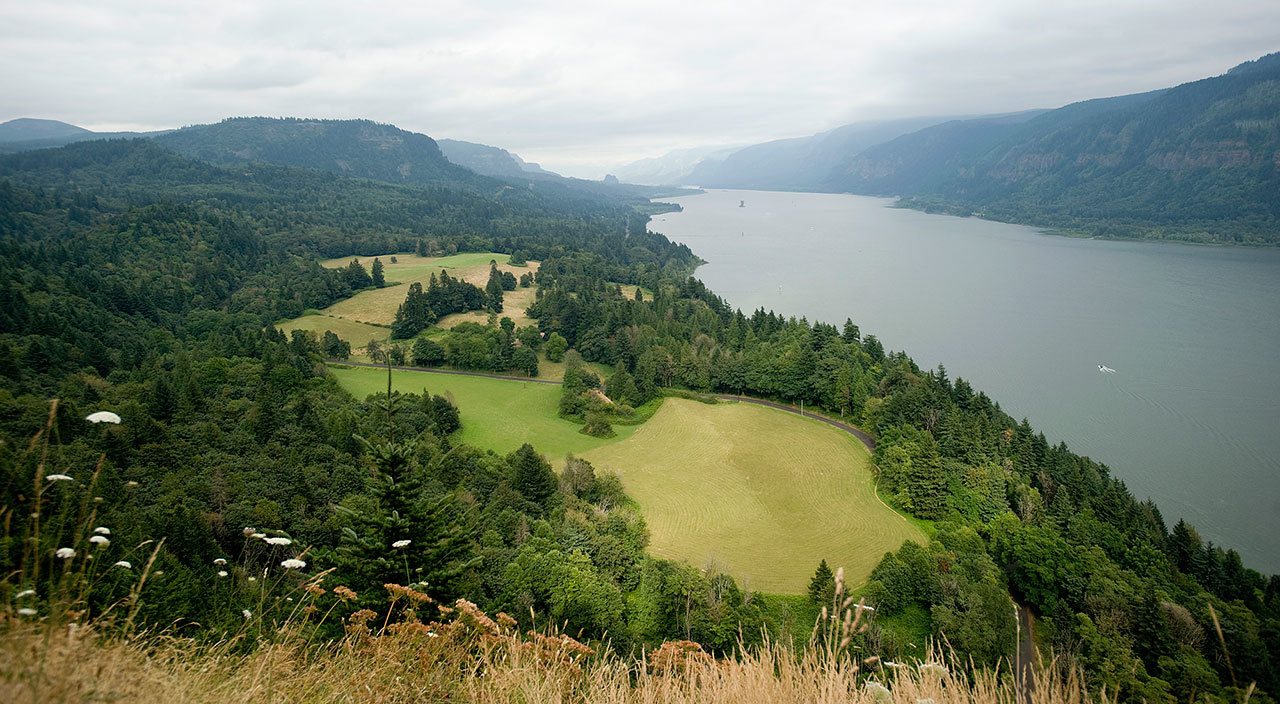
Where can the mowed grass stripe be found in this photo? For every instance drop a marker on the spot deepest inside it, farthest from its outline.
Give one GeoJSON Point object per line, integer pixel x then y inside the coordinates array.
{"type": "Point", "coordinates": [497, 414]}
{"type": "Point", "coordinates": [762, 493]}
{"type": "Point", "coordinates": [378, 306]}
{"type": "Point", "coordinates": [358, 334]}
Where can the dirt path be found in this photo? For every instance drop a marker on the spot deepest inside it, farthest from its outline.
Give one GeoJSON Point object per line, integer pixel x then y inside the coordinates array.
{"type": "Point", "coordinates": [853, 430]}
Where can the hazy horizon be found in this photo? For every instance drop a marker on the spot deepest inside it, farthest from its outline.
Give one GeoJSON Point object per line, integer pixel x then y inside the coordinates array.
{"type": "Point", "coordinates": [583, 91]}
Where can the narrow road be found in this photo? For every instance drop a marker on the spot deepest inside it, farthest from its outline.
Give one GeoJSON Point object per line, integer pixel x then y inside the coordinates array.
{"type": "Point", "coordinates": [858, 433]}
{"type": "Point", "coordinates": [1028, 657]}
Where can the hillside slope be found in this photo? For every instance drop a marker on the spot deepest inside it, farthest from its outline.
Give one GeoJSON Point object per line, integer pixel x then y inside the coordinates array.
{"type": "Point", "coordinates": [360, 148]}
{"type": "Point", "coordinates": [1200, 161]}
{"type": "Point", "coordinates": [802, 163]}
{"type": "Point", "coordinates": [487, 160]}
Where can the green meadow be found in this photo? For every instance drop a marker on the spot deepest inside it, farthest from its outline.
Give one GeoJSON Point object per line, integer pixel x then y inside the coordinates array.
{"type": "Point", "coordinates": [761, 493]}
{"type": "Point", "coordinates": [497, 414]}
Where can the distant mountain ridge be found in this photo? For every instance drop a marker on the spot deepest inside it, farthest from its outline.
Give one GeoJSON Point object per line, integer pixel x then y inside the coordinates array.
{"type": "Point", "coordinates": [359, 148]}
{"type": "Point", "coordinates": [1199, 161]}
{"type": "Point", "coordinates": [28, 128]}
{"type": "Point", "coordinates": [802, 163]}
{"type": "Point", "coordinates": [487, 160]}
{"type": "Point", "coordinates": [27, 133]}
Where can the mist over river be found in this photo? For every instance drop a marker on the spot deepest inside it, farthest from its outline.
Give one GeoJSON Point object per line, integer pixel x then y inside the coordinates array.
{"type": "Point", "coordinates": [1191, 417]}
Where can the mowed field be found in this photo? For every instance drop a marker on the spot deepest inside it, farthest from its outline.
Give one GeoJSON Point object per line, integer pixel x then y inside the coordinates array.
{"type": "Point", "coordinates": [378, 306]}
{"type": "Point", "coordinates": [497, 414]}
{"type": "Point", "coordinates": [762, 493]}
{"type": "Point", "coordinates": [358, 334]}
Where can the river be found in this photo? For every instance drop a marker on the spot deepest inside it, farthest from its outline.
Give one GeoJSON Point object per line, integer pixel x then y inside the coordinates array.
{"type": "Point", "coordinates": [1191, 416]}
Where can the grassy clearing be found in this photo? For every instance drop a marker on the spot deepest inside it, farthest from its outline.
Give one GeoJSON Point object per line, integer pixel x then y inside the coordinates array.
{"type": "Point", "coordinates": [762, 493]}
{"type": "Point", "coordinates": [548, 369]}
{"type": "Point", "coordinates": [378, 306]}
{"type": "Point", "coordinates": [514, 304]}
{"type": "Point", "coordinates": [358, 334]}
{"type": "Point", "coordinates": [497, 414]}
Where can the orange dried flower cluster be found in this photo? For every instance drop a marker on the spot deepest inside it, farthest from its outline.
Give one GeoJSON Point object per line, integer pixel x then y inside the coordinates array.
{"type": "Point", "coordinates": [558, 646]}
{"type": "Point", "coordinates": [413, 595]}
{"type": "Point", "coordinates": [357, 623]}
{"type": "Point", "coordinates": [314, 589]}
{"type": "Point", "coordinates": [505, 620]}
{"type": "Point", "coordinates": [476, 618]}
{"type": "Point", "coordinates": [344, 593]}
{"type": "Point", "coordinates": [677, 656]}
{"type": "Point", "coordinates": [405, 628]}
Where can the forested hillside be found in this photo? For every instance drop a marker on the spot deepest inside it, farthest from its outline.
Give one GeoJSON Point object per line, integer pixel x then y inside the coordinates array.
{"type": "Point", "coordinates": [359, 148]}
{"type": "Point", "coordinates": [1200, 161]}
{"type": "Point", "coordinates": [140, 281]}
{"type": "Point", "coordinates": [487, 160]}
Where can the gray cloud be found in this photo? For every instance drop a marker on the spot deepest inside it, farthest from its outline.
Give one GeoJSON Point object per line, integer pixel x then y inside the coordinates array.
{"type": "Point", "coordinates": [580, 86]}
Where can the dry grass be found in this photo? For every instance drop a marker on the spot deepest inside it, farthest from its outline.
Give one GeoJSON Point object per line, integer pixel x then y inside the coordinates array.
{"type": "Point", "coordinates": [357, 333]}
{"type": "Point", "coordinates": [462, 661]}
{"type": "Point", "coordinates": [378, 306]}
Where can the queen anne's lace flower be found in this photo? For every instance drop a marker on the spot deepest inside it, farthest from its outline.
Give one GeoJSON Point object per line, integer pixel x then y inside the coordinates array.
{"type": "Point", "coordinates": [57, 478]}
{"type": "Point", "coordinates": [293, 564]}
{"type": "Point", "coordinates": [103, 417]}
{"type": "Point", "coordinates": [65, 553]}
{"type": "Point", "coordinates": [401, 544]}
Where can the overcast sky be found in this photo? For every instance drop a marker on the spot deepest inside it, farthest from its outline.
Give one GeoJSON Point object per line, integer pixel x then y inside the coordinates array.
{"type": "Point", "coordinates": [583, 86]}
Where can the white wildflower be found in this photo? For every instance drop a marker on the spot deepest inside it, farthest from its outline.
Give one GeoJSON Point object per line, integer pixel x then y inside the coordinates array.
{"type": "Point", "coordinates": [864, 607]}
{"type": "Point", "coordinates": [293, 564]}
{"type": "Point", "coordinates": [25, 593]}
{"type": "Point", "coordinates": [432, 634]}
{"type": "Point", "coordinates": [279, 541]}
{"type": "Point", "coordinates": [401, 544]}
{"type": "Point", "coordinates": [222, 573]}
{"type": "Point", "coordinates": [131, 484]}
{"type": "Point", "coordinates": [103, 417]}
{"type": "Point", "coordinates": [125, 564]}
{"type": "Point", "coordinates": [249, 531]}
{"type": "Point", "coordinates": [65, 553]}
{"type": "Point", "coordinates": [933, 668]}
{"type": "Point", "coordinates": [26, 612]}
{"type": "Point", "coordinates": [58, 478]}
{"type": "Point", "coordinates": [259, 536]}
{"type": "Point", "coordinates": [219, 561]}
{"type": "Point", "coordinates": [247, 614]}
{"type": "Point", "coordinates": [102, 530]}
{"type": "Point", "coordinates": [879, 692]}
{"type": "Point", "coordinates": [253, 579]}
{"type": "Point", "coordinates": [102, 540]}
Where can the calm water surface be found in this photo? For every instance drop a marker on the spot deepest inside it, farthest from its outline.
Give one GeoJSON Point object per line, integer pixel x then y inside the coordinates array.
{"type": "Point", "coordinates": [1192, 416]}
